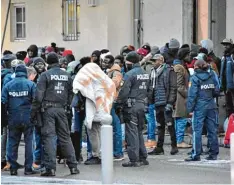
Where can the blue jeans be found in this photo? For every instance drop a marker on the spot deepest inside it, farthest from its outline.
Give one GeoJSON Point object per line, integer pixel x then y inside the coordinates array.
{"type": "Point", "coordinates": [151, 122]}
{"type": "Point", "coordinates": [209, 118]}
{"type": "Point", "coordinates": [180, 124]}
{"type": "Point", "coordinates": [117, 131]}
{"type": "Point", "coordinates": [13, 143]}
{"type": "Point", "coordinates": [38, 152]}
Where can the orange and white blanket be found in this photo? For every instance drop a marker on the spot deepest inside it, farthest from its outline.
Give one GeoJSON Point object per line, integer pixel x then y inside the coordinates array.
{"type": "Point", "coordinates": [99, 91]}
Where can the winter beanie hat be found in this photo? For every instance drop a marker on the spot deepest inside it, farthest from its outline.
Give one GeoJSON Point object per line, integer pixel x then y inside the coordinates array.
{"type": "Point", "coordinates": [132, 57]}
{"type": "Point", "coordinates": [142, 51]}
{"type": "Point", "coordinates": [37, 60]}
{"type": "Point", "coordinates": [174, 43]}
{"type": "Point", "coordinates": [182, 53]}
{"type": "Point", "coordinates": [52, 58]}
{"type": "Point", "coordinates": [21, 68]}
{"type": "Point", "coordinates": [97, 53]}
{"type": "Point", "coordinates": [147, 47]}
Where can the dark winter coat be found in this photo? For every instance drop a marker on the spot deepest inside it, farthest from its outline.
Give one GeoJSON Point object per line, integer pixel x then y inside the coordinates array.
{"type": "Point", "coordinates": [17, 95]}
{"type": "Point", "coordinates": [182, 77]}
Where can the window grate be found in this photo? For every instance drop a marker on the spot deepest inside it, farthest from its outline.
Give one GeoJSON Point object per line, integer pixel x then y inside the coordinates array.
{"type": "Point", "coordinates": [71, 14]}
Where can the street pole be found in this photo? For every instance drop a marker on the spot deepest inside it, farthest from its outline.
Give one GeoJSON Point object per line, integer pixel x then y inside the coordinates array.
{"type": "Point", "coordinates": [107, 150]}
{"type": "Point", "coordinates": [232, 158]}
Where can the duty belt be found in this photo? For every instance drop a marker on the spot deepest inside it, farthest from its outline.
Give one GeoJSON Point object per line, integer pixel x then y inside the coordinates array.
{"type": "Point", "coordinates": [52, 104]}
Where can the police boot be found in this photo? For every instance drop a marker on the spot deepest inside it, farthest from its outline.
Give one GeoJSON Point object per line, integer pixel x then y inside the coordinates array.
{"type": "Point", "coordinates": [74, 171]}
{"type": "Point", "coordinates": [30, 171]}
{"type": "Point", "coordinates": [131, 164]}
{"type": "Point", "coordinates": [190, 159]}
{"type": "Point", "coordinates": [48, 172]}
{"type": "Point", "coordinates": [174, 150]}
{"type": "Point", "coordinates": [211, 158]}
{"type": "Point", "coordinates": [14, 172]}
{"type": "Point", "coordinates": [157, 151]}
{"type": "Point", "coordinates": [144, 162]}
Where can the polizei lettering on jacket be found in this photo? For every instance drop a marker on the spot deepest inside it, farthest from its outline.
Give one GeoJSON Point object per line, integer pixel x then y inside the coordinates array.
{"type": "Point", "coordinates": [59, 77]}
{"type": "Point", "coordinates": [143, 77]}
{"type": "Point", "coordinates": [207, 86]}
{"type": "Point", "coordinates": [18, 94]}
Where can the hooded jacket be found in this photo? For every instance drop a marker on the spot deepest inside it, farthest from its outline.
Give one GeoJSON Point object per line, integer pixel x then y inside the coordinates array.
{"type": "Point", "coordinates": [34, 49]}
{"type": "Point", "coordinates": [17, 95]}
{"type": "Point", "coordinates": [204, 88]}
{"type": "Point", "coordinates": [99, 91]}
{"type": "Point", "coordinates": [114, 73]}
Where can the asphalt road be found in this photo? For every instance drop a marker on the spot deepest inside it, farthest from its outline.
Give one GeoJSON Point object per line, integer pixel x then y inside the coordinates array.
{"type": "Point", "coordinates": [164, 169]}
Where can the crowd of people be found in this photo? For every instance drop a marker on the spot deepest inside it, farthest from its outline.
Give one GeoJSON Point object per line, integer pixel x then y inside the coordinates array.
{"type": "Point", "coordinates": [53, 99]}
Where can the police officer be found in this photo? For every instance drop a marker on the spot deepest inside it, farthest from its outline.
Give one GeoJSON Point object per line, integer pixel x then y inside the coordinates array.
{"type": "Point", "coordinates": [132, 100]}
{"type": "Point", "coordinates": [17, 95]}
{"type": "Point", "coordinates": [204, 88]}
{"type": "Point", "coordinates": [54, 94]}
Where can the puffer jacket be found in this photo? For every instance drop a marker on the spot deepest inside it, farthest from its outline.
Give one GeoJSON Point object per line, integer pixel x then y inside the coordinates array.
{"type": "Point", "coordinates": [227, 73]}
{"type": "Point", "coordinates": [204, 88]}
{"type": "Point", "coordinates": [163, 82]}
{"type": "Point", "coordinates": [17, 95]}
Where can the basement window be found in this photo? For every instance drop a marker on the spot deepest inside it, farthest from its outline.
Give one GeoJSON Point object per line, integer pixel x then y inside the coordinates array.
{"type": "Point", "coordinates": [71, 15]}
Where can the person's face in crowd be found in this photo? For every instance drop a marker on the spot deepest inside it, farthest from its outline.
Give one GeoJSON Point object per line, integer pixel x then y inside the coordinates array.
{"type": "Point", "coordinates": [227, 46]}
{"type": "Point", "coordinates": [31, 77]}
{"type": "Point", "coordinates": [103, 65]}
{"type": "Point", "coordinates": [187, 58]}
{"type": "Point", "coordinates": [157, 63]}
{"type": "Point", "coordinates": [174, 51]}
{"type": "Point", "coordinates": [30, 53]}
{"type": "Point", "coordinates": [129, 65]}
{"type": "Point", "coordinates": [117, 61]}
{"type": "Point", "coordinates": [40, 67]}
{"type": "Point", "coordinates": [94, 58]}
{"type": "Point", "coordinates": [64, 65]}
{"type": "Point", "coordinates": [107, 63]}
{"type": "Point", "coordinates": [124, 54]}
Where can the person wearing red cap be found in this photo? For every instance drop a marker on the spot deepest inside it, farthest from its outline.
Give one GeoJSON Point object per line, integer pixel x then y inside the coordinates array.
{"type": "Point", "coordinates": [67, 52]}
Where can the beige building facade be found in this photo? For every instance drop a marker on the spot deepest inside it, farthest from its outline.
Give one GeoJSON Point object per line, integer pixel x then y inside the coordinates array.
{"type": "Point", "coordinates": [112, 23]}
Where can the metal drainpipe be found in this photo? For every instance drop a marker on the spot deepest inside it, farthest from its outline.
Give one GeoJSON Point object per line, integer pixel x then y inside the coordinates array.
{"type": "Point", "coordinates": [136, 14]}
{"type": "Point", "coordinates": [210, 22]}
{"type": "Point", "coordinates": [5, 26]}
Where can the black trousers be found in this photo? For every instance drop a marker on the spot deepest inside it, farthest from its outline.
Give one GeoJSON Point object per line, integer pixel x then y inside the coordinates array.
{"type": "Point", "coordinates": [165, 118]}
{"type": "Point", "coordinates": [134, 120]}
{"type": "Point", "coordinates": [55, 123]}
{"type": "Point", "coordinates": [229, 97]}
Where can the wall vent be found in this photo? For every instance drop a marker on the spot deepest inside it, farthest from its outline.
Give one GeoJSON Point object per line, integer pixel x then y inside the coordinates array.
{"type": "Point", "coordinates": [92, 3]}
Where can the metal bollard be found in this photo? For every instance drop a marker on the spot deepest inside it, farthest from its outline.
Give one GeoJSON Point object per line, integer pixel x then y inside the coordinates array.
{"type": "Point", "coordinates": [107, 154]}
{"type": "Point", "coordinates": [232, 158]}
{"type": "Point", "coordinates": [107, 150]}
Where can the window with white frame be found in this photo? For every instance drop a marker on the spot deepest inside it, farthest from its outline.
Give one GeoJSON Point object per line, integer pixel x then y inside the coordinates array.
{"type": "Point", "coordinates": [18, 22]}
{"type": "Point", "coordinates": [71, 14]}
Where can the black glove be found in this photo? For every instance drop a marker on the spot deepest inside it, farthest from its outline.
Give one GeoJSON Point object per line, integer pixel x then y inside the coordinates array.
{"type": "Point", "coordinates": [118, 109]}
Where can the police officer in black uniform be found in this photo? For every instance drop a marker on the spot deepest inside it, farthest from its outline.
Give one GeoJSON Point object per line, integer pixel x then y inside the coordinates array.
{"type": "Point", "coordinates": [53, 96]}
{"type": "Point", "coordinates": [132, 101]}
